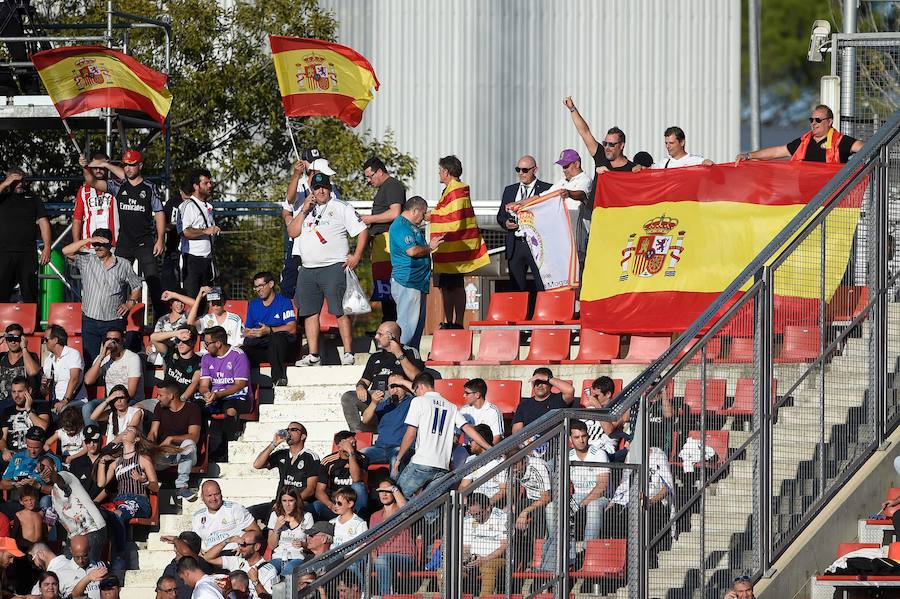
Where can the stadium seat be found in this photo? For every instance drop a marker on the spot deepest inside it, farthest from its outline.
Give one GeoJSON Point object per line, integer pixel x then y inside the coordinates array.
{"type": "Point", "coordinates": [717, 440]}
{"type": "Point", "coordinates": [153, 520]}
{"type": "Point", "coordinates": [499, 346]}
{"type": "Point", "coordinates": [253, 414]}
{"type": "Point", "coordinates": [801, 344]}
{"type": "Point", "coordinates": [67, 315]}
{"type": "Point", "coordinates": [238, 307]}
{"type": "Point", "coordinates": [743, 398]}
{"type": "Point", "coordinates": [586, 389]}
{"type": "Point", "coordinates": [715, 395]}
{"type": "Point", "coordinates": [847, 303]}
{"type": "Point", "coordinates": [76, 343]}
{"type": "Point", "coordinates": [24, 315]}
{"type": "Point", "coordinates": [712, 349]}
{"type": "Point", "coordinates": [327, 321]}
{"type": "Point", "coordinates": [894, 551]}
{"type": "Point", "coordinates": [740, 351]}
{"type": "Point", "coordinates": [504, 394]}
{"type": "Point", "coordinates": [603, 558]}
{"type": "Point", "coordinates": [135, 319]}
{"type": "Point", "coordinates": [451, 390]}
{"type": "Point", "coordinates": [536, 555]}
{"type": "Point", "coordinates": [505, 308]}
{"type": "Point", "coordinates": [450, 347]}
{"type": "Point", "coordinates": [595, 348]}
{"type": "Point", "coordinates": [33, 343]}
{"type": "Point", "coordinates": [363, 440]}
{"type": "Point", "coordinates": [892, 494]}
{"type": "Point", "coordinates": [553, 307]}
{"type": "Point", "coordinates": [845, 548]}
{"type": "Point", "coordinates": [548, 346]}
{"type": "Point", "coordinates": [643, 350]}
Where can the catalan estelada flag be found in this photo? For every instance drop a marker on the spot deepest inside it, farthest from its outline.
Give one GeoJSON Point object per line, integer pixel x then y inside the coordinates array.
{"type": "Point", "coordinates": [665, 243]}
{"type": "Point", "coordinates": [463, 249]}
{"type": "Point", "coordinates": [319, 78]}
{"type": "Point", "coordinates": [82, 78]}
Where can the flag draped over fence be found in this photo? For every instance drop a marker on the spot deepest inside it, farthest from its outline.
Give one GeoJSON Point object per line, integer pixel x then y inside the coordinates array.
{"type": "Point", "coordinates": [665, 243]}
{"type": "Point", "coordinates": [545, 222]}
{"type": "Point", "coordinates": [319, 78]}
{"type": "Point", "coordinates": [463, 249]}
{"type": "Point", "coordinates": [82, 78]}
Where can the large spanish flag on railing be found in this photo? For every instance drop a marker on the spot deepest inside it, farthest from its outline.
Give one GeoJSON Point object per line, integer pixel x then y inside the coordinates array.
{"type": "Point", "coordinates": [463, 249]}
{"type": "Point", "coordinates": [82, 78]}
{"type": "Point", "coordinates": [665, 243]}
{"type": "Point", "coordinates": [319, 78]}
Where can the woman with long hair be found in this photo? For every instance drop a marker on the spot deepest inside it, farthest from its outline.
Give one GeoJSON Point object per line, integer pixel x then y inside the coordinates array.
{"type": "Point", "coordinates": [176, 316]}
{"type": "Point", "coordinates": [287, 529]}
{"type": "Point", "coordinates": [118, 415]}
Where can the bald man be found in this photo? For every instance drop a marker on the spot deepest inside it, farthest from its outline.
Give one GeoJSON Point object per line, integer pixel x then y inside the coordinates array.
{"type": "Point", "coordinates": [518, 256]}
{"type": "Point", "coordinates": [89, 585]}
{"type": "Point", "coordinates": [219, 519]}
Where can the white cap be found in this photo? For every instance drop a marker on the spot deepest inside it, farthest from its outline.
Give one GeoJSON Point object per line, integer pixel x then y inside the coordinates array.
{"type": "Point", "coordinates": [320, 165]}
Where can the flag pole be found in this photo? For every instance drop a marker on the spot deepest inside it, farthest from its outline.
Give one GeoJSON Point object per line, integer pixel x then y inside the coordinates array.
{"type": "Point", "coordinates": [287, 122]}
{"type": "Point", "coordinates": [71, 136]}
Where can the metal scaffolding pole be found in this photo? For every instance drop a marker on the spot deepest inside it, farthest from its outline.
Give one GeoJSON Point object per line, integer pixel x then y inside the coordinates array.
{"type": "Point", "coordinates": [753, 48]}
{"type": "Point", "coordinates": [848, 67]}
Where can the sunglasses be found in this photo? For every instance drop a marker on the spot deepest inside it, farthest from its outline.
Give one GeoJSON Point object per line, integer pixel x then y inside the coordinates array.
{"type": "Point", "coordinates": [540, 382]}
{"type": "Point", "coordinates": [385, 491]}
{"type": "Point", "coordinates": [523, 170]}
{"type": "Point", "coordinates": [113, 339]}
{"type": "Point", "coordinates": [610, 144]}
{"type": "Point", "coordinates": [243, 544]}
{"type": "Point", "coordinates": [815, 119]}
{"type": "Point", "coordinates": [295, 430]}
{"type": "Point", "coordinates": [103, 245]}
{"type": "Point", "coordinates": [185, 341]}
{"type": "Point", "coordinates": [16, 338]}
{"type": "Point", "coordinates": [340, 503]}
{"type": "Point", "coordinates": [741, 578]}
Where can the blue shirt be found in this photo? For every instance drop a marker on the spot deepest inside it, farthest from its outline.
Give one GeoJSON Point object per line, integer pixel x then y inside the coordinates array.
{"type": "Point", "coordinates": [279, 312]}
{"type": "Point", "coordinates": [391, 423]}
{"type": "Point", "coordinates": [406, 270]}
{"type": "Point", "coordinates": [24, 466]}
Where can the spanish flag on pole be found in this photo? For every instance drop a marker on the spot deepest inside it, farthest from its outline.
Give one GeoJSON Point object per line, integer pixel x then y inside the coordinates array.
{"type": "Point", "coordinates": [319, 78]}
{"type": "Point", "coordinates": [463, 249]}
{"type": "Point", "coordinates": [82, 78]}
{"type": "Point", "coordinates": [665, 243]}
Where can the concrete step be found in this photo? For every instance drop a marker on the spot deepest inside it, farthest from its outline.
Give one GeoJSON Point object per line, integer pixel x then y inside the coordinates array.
{"type": "Point", "coordinates": [283, 413]}
{"type": "Point", "coordinates": [317, 430]}
{"type": "Point", "coordinates": [152, 561]}
{"type": "Point", "coordinates": [264, 483]}
{"type": "Point", "coordinates": [311, 395]}
{"type": "Point", "coordinates": [327, 375]}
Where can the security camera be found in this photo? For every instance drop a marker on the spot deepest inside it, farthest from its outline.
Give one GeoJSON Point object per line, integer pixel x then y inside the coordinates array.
{"type": "Point", "coordinates": [818, 40]}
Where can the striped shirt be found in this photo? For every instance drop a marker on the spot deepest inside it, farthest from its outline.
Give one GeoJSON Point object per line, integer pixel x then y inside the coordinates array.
{"type": "Point", "coordinates": [127, 484]}
{"type": "Point", "coordinates": [104, 289]}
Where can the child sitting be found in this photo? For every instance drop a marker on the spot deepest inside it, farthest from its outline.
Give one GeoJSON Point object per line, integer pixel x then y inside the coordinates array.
{"type": "Point", "coordinates": [70, 436]}
{"type": "Point", "coordinates": [29, 519]}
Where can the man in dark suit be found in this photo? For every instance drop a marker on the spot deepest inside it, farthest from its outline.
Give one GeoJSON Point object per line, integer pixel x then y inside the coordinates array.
{"type": "Point", "coordinates": [518, 256]}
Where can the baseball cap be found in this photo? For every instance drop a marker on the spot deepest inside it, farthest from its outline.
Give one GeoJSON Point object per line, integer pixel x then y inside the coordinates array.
{"type": "Point", "coordinates": [35, 433]}
{"type": "Point", "coordinates": [321, 180]}
{"type": "Point", "coordinates": [321, 166]}
{"type": "Point", "coordinates": [92, 433]}
{"type": "Point", "coordinates": [644, 159]}
{"type": "Point", "coordinates": [567, 157]}
{"type": "Point", "coordinates": [109, 582]}
{"type": "Point", "coordinates": [321, 526]}
{"type": "Point", "coordinates": [310, 154]}
{"type": "Point", "coordinates": [132, 157]}
{"type": "Point", "coordinates": [9, 544]}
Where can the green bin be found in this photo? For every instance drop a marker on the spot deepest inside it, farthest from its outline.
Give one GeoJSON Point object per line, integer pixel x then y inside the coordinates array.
{"type": "Point", "coordinates": [52, 290]}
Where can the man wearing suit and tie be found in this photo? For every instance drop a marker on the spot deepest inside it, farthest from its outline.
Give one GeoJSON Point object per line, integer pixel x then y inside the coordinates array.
{"type": "Point", "coordinates": [518, 256]}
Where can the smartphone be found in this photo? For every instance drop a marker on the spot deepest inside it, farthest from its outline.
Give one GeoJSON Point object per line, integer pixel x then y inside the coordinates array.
{"type": "Point", "coordinates": [380, 386]}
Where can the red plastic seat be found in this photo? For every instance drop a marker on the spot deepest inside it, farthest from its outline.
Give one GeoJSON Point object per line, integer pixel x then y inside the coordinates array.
{"type": "Point", "coordinates": [363, 440]}
{"type": "Point", "coordinates": [892, 494]}
{"type": "Point", "coordinates": [894, 554]}
{"type": "Point", "coordinates": [801, 344]}
{"type": "Point", "coordinates": [603, 558]}
{"type": "Point", "coordinates": [33, 343]}
{"type": "Point", "coordinates": [548, 346]}
{"type": "Point", "coordinates": [153, 520]}
{"type": "Point", "coordinates": [536, 555]}
{"type": "Point", "coordinates": [847, 303]}
{"type": "Point", "coordinates": [505, 308]}
{"type": "Point", "coordinates": [715, 395]}
{"type": "Point", "coordinates": [717, 440]}
{"type": "Point", "coordinates": [845, 548]}
{"type": "Point", "coordinates": [499, 346]}
{"type": "Point", "coordinates": [595, 348]}
{"type": "Point", "coordinates": [450, 347]}
{"type": "Point", "coordinates": [238, 307]}
{"type": "Point", "coordinates": [253, 414]}
{"type": "Point", "coordinates": [451, 390]}
{"type": "Point", "coordinates": [643, 350]}
{"type": "Point", "coordinates": [743, 398]}
{"type": "Point", "coordinates": [553, 307]}
{"type": "Point", "coordinates": [327, 321]}
{"type": "Point", "coordinates": [76, 343]}
{"type": "Point", "coordinates": [135, 319]}
{"type": "Point", "coordinates": [67, 315]}
{"type": "Point", "coordinates": [712, 349]}
{"type": "Point", "coordinates": [740, 352]}
{"type": "Point", "coordinates": [586, 389]}
{"type": "Point", "coordinates": [24, 315]}
{"type": "Point", "coordinates": [505, 394]}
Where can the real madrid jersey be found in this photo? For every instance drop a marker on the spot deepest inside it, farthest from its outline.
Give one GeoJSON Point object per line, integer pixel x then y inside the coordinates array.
{"type": "Point", "coordinates": [231, 519]}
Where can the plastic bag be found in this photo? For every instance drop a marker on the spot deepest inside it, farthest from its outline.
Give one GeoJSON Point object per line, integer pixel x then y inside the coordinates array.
{"type": "Point", "coordinates": [355, 300]}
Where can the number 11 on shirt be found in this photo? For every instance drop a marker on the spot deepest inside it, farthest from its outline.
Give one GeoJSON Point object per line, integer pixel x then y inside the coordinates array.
{"type": "Point", "coordinates": [438, 422]}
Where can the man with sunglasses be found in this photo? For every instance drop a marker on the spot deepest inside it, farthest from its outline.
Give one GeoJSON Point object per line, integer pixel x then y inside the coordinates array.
{"type": "Point", "coordinates": [115, 365]}
{"type": "Point", "coordinates": [742, 589]}
{"type": "Point", "coordinates": [389, 410]}
{"type": "Point", "coordinates": [110, 289]}
{"type": "Point", "coordinates": [544, 399]}
{"type": "Point", "coordinates": [16, 361]}
{"type": "Point", "coordinates": [262, 574]}
{"type": "Point", "coordinates": [61, 373]}
{"type": "Point", "coordinates": [822, 143]}
{"type": "Point", "coordinates": [83, 467]}
{"type": "Point", "coordinates": [17, 419]}
{"type": "Point", "coordinates": [181, 366]}
{"type": "Point", "coordinates": [518, 256]}
{"type": "Point", "coordinates": [298, 467]}
{"type": "Point", "coordinates": [18, 250]}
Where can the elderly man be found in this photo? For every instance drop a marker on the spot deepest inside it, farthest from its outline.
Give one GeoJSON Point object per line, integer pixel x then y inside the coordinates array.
{"type": "Point", "coordinates": [218, 519]}
{"type": "Point", "coordinates": [518, 256]}
{"type": "Point", "coordinates": [271, 327]}
{"type": "Point", "coordinates": [677, 155]}
{"type": "Point", "coordinates": [18, 252]}
{"type": "Point", "coordinates": [742, 589]}
{"type": "Point", "coordinates": [822, 143]}
{"type": "Point", "coordinates": [386, 207]}
{"type": "Point", "coordinates": [249, 559]}
{"type": "Point", "coordinates": [323, 227]}
{"type": "Point", "coordinates": [575, 188]}
{"type": "Point", "coordinates": [167, 587]}
{"type": "Point", "coordinates": [391, 357]}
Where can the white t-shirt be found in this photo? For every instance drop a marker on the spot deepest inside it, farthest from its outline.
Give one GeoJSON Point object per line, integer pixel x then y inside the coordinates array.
{"type": "Point", "coordinates": [580, 182]}
{"type": "Point", "coordinates": [265, 571]}
{"type": "Point", "coordinates": [57, 369]}
{"type": "Point", "coordinates": [484, 538]}
{"type": "Point", "coordinates": [488, 414]}
{"type": "Point", "coordinates": [584, 478]}
{"type": "Point", "coordinates": [296, 207]}
{"type": "Point", "coordinates": [121, 421]}
{"type": "Point", "coordinates": [285, 549]}
{"type": "Point", "coordinates": [659, 475]}
{"type": "Point", "coordinates": [206, 588]}
{"type": "Point", "coordinates": [348, 530]}
{"type": "Point", "coordinates": [436, 420]}
{"type": "Point", "coordinates": [69, 444]}
{"type": "Point", "coordinates": [117, 372]}
{"type": "Point", "coordinates": [69, 574]}
{"type": "Point", "coordinates": [536, 478]}
{"type": "Point", "coordinates": [323, 236]}
{"type": "Point", "coordinates": [231, 519]}
{"type": "Point", "coordinates": [77, 512]}
{"type": "Point", "coordinates": [233, 326]}
{"type": "Point", "coordinates": [686, 160]}
{"type": "Point", "coordinates": [191, 215]}
{"type": "Point", "coordinates": [491, 486]}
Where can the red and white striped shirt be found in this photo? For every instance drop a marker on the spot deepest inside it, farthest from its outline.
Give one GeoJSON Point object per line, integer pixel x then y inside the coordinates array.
{"type": "Point", "coordinates": [95, 210]}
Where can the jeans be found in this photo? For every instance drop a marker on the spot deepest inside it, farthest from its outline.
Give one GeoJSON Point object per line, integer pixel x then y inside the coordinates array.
{"type": "Point", "coordinates": [273, 349]}
{"type": "Point", "coordinates": [385, 566]}
{"type": "Point", "coordinates": [149, 268]}
{"type": "Point", "coordinates": [320, 512]}
{"type": "Point", "coordinates": [417, 476]}
{"type": "Point", "coordinates": [92, 334]}
{"type": "Point", "coordinates": [353, 408]}
{"type": "Point", "coordinates": [183, 461]}
{"type": "Point", "coordinates": [382, 454]}
{"type": "Point", "coordinates": [285, 566]}
{"type": "Point", "coordinates": [123, 515]}
{"type": "Point", "coordinates": [411, 306]}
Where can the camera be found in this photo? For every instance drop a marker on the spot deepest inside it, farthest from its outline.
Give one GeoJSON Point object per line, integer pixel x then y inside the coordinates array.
{"type": "Point", "coordinates": [818, 39]}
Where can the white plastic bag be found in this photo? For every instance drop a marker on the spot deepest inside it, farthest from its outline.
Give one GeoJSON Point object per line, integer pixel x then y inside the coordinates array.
{"type": "Point", "coordinates": [355, 301]}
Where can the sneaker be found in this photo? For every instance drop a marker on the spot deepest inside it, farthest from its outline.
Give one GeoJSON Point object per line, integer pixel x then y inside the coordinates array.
{"type": "Point", "coordinates": [348, 359]}
{"type": "Point", "coordinates": [186, 494]}
{"type": "Point", "coordinates": [309, 360]}
{"type": "Point", "coordinates": [282, 382]}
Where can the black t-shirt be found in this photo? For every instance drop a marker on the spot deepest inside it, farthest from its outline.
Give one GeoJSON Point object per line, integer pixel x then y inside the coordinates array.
{"type": "Point", "coordinates": [18, 424]}
{"type": "Point", "coordinates": [172, 238]}
{"type": "Point", "coordinates": [294, 474]}
{"type": "Point", "coordinates": [135, 207]}
{"type": "Point", "coordinates": [335, 471]}
{"type": "Point", "coordinates": [18, 228]}
{"type": "Point", "coordinates": [391, 192]}
{"type": "Point", "coordinates": [815, 151]}
{"type": "Point", "coordinates": [382, 364]}
{"type": "Point", "coordinates": [83, 468]}
{"type": "Point", "coordinates": [8, 372]}
{"type": "Point", "coordinates": [181, 370]}
{"type": "Point", "coordinates": [530, 409]}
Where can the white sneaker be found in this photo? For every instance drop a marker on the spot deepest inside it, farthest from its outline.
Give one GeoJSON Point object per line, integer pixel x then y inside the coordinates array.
{"type": "Point", "coordinates": [309, 360]}
{"type": "Point", "coordinates": [348, 359]}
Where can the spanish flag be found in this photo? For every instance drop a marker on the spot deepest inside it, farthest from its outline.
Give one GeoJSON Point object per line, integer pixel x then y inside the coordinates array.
{"type": "Point", "coordinates": [82, 78]}
{"type": "Point", "coordinates": [463, 249]}
{"type": "Point", "coordinates": [319, 78]}
{"type": "Point", "coordinates": [665, 243]}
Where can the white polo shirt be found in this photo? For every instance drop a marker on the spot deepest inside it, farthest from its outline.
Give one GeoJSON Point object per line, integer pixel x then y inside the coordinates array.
{"type": "Point", "coordinates": [484, 538]}
{"type": "Point", "coordinates": [349, 530]}
{"type": "Point", "coordinates": [491, 486]}
{"type": "Point", "coordinates": [488, 414]}
{"type": "Point", "coordinates": [195, 214]}
{"type": "Point", "coordinates": [233, 325]}
{"type": "Point", "coordinates": [264, 570]}
{"type": "Point", "coordinates": [231, 519]}
{"type": "Point", "coordinates": [584, 478]}
{"type": "Point", "coordinates": [580, 182]}
{"type": "Point", "coordinates": [436, 421]}
{"type": "Point", "coordinates": [69, 574]}
{"type": "Point", "coordinates": [323, 237]}
{"type": "Point", "coordinates": [686, 160]}
{"type": "Point", "coordinates": [57, 370]}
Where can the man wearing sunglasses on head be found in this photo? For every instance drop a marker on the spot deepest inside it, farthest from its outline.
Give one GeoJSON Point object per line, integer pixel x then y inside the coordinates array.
{"type": "Point", "coordinates": [742, 589]}
{"type": "Point", "coordinates": [17, 361]}
{"type": "Point", "coordinates": [822, 143]}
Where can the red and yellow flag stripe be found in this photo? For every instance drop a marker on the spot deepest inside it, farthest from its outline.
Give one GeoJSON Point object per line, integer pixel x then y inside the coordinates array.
{"type": "Point", "coordinates": [463, 249]}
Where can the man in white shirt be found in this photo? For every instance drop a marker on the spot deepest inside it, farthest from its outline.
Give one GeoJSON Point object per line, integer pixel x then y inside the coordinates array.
{"type": "Point", "coordinates": [484, 541]}
{"type": "Point", "coordinates": [114, 366]}
{"type": "Point", "coordinates": [77, 512]}
{"type": "Point", "coordinates": [534, 508]}
{"type": "Point", "coordinates": [431, 422]}
{"type": "Point", "coordinates": [491, 486]}
{"type": "Point", "coordinates": [197, 229]}
{"type": "Point", "coordinates": [192, 575]}
{"type": "Point", "coordinates": [261, 573]}
{"type": "Point", "coordinates": [478, 410]}
{"type": "Point", "coordinates": [68, 572]}
{"type": "Point", "coordinates": [218, 520]}
{"type": "Point", "coordinates": [576, 186]}
{"type": "Point", "coordinates": [677, 155]}
{"type": "Point", "coordinates": [323, 227]}
{"type": "Point", "coordinates": [217, 315]}
{"type": "Point", "coordinates": [62, 370]}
